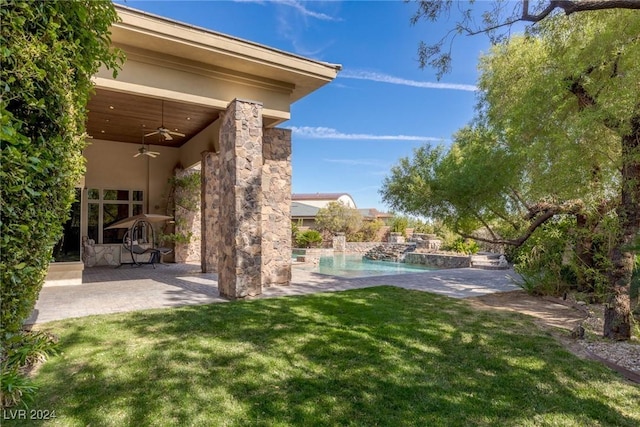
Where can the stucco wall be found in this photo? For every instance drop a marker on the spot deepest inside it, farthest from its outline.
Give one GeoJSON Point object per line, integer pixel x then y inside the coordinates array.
{"type": "Point", "coordinates": [111, 165]}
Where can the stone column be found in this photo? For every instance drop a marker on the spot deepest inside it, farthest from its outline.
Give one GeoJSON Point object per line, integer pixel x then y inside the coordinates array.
{"type": "Point", "coordinates": [340, 242]}
{"type": "Point", "coordinates": [276, 207]}
{"type": "Point", "coordinates": [210, 205]}
{"type": "Point", "coordinates": [240, 217]}
{"type": "Point", "coordinates": [188, 221]}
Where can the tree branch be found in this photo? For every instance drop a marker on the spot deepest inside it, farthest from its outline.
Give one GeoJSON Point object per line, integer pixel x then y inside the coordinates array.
{"type": "Point", "coordinates": [541, 213]}
{"type": "Point", "coordinates": [486, 225]}
{"type": "Point", "coordinates": [573, 6]}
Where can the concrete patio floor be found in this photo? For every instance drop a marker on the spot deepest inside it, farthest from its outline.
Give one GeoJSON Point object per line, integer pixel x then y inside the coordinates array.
{"type": "Point", "coordinates": [108, 290]}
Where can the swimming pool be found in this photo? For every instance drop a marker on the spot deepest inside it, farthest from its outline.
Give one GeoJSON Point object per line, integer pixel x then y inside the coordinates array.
{"type": "Point", "coordinates": [354, 265]}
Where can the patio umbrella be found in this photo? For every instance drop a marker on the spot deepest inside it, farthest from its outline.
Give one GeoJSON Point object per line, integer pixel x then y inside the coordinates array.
{"type": "Point", "coordinates": [129, 222]}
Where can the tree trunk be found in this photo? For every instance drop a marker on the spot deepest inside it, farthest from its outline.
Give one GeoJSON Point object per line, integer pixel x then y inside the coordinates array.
{"type": "Point", "coordinates": [584, 252]}
{"type": "Point", "coordinates": [617, 321]}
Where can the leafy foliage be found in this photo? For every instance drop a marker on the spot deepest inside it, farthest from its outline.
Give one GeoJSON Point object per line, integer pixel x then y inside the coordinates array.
{"type": "Point", "coordinates": [556, 135]}
{"type": "Point", "coordinates": [497, 19]}
{"type": "Point", "coordinates": [463, 246]}
{"type": "Point", "coordinates": [337, 217]}
{"type": "Point", "coordinates": [183, 196]}
{"type": "Point", "coordinates": [367, 233]}
{"type": "Point", "coordinates": [399, 224]}
{"type": "Point", "coordinates": [50, 51]}
{"type": "Point", "coordinates": [308, 238]}
{"type": "Point", "coordinates": [21, 353]}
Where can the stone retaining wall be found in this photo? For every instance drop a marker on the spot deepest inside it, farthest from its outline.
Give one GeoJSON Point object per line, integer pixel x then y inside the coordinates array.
{"type": "Point", "coordinates": [438, 260]}
{"type": "Point", "coordinates": [360, 247]}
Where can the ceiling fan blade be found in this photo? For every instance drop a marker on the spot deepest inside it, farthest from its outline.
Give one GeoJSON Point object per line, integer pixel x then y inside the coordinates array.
{"type": "Point", "coordinates": [137, 154]}
{"type": "Point", "coordinates": [167, 136]}
{"type": "Point", "coordinates": [151, 154]}
{"type": "Point", "coordinates": [176, 133]}
{"type": "Point", "coordinates": [155, 153]}
{"type": "Point", "coordinates": [152, 133]}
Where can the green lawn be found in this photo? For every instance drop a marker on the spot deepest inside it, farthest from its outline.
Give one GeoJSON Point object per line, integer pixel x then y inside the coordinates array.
{"type": "Point", "coordinates": [379, 356]}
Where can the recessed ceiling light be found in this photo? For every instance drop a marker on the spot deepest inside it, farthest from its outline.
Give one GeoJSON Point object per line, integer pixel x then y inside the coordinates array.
{"type": "Point", "coordinates": [102, 131]}
{"type": "Point", "coordinates": [188, 118]}
{"type": "Point", "coordinates": [111, 107]}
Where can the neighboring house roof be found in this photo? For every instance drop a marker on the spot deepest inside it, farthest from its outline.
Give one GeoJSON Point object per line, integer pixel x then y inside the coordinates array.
{"type": "Point", "coordinates": [373, 213]}
{"type": "Point", "coordinates": [301, 210]}
{"type": "Point", "coordinates": [318, 196]}
{"type": "Point", "coordinates": [322, 199]}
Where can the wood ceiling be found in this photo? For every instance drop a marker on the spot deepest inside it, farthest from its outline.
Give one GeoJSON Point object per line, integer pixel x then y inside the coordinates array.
{"type": "Point", "coordinates": [116, 116]}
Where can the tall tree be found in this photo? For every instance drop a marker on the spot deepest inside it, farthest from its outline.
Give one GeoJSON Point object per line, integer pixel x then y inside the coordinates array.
{"type": "Point", "coordinates": [578, 76]}
{"type": "Point", "coordinates": [498, 17]}
{"type": "Point", "coordinates": [563, 110]}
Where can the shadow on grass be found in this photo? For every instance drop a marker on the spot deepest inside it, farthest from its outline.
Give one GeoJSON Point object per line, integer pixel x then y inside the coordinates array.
{"type": "Point", "coordinates": [377, 356]}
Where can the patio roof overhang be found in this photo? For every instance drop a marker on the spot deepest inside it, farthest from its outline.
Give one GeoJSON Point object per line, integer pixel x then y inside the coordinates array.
{"type": "Point", "coordinates": [183, 76]}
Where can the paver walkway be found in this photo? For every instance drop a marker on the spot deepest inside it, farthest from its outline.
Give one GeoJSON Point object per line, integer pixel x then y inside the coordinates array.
{"type": "Point", "coordinates": [108, 290]}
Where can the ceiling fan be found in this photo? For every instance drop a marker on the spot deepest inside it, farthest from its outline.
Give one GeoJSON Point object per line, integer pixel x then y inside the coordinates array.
{"type": "Point", "coordinates": [144, 150]}
{"type": "Point", "coordinates": [165, 133]}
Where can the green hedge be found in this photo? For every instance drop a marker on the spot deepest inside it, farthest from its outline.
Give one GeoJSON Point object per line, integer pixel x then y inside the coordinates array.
{"type": "Point", "coordinates": [49, 50]}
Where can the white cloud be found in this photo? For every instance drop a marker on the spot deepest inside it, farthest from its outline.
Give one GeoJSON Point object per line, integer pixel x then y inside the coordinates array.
{"type": "Point", "coordinates": [330, 133]}
{"type": "Point", "coordinates": [298, 6]}
{"type": "Point", "coordinates": [385, 78]}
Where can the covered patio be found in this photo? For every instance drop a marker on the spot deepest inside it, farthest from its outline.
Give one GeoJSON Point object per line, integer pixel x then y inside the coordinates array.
{"type": "Point", "coordinates": [189, 98]}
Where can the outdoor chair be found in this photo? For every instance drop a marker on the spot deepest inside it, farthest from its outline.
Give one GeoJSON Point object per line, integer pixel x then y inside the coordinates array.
{"type": "Point", "coordinates": [143, 245]}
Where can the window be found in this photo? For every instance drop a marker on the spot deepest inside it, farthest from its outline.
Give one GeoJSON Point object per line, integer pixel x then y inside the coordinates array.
{"type": "Point", "coordinates": [68, 247]}
{"type": "Point", "coordinates": [106, 206]}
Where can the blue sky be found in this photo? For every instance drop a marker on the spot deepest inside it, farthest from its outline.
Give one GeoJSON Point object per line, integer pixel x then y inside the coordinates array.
{"type": "Point", "coordinates": [348, 134]}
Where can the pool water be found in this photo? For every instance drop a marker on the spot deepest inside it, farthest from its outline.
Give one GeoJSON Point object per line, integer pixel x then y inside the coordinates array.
{"type": "Point", "coordinates": [356, 266]}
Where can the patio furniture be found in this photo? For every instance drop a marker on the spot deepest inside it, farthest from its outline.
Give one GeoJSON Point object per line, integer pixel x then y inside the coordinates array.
{"type": "Point", "coordinates": [140, 239]}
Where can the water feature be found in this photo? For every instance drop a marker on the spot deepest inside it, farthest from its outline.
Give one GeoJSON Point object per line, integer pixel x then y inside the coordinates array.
{"type": "Point", "coordinates": [354, 265]}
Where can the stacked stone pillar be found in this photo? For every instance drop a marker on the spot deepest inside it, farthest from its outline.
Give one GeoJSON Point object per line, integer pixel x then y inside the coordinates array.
{"type": "Point", "coordinates": [240, 212]}
{"type": "Point", "coordinates": [209, 208]}
{"type": "Point", "coordinates": [340, 242]}
{"type": "Point", "coordinates": [276, 207]}
{"type": "Point", "coordinates": [246, 204]}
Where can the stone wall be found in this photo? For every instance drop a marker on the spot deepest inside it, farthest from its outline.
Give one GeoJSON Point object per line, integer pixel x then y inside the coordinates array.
{"type": "Point", "coordinates": [438, 260]}
{"type": "Point", "coordinates": [395, 252]}
{"type": "Point", "coordinates": [209, 208]}
{"type": "Point", "coordinates": [360, 247]}
{"type": "Point", "coordinates": [246, 204]}
{"type": "Point", "coordinates": [276, 207]}
{"type": "Point", "coordinates": [340, 242]}
{"type": "Point", "coordinates": [187, 221]}
{"type": "Point", "coordinates": [106, 254]}
{"type": "Point", "coordinates": [240, 213]}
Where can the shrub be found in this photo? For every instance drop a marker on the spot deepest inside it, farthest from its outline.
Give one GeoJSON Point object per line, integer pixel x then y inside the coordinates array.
{"type": "Point", "coordinates": [50, 51]}
{"type": "Point", "coordinates": [399, 224]}
{"type": "Point", "coordinates": [21, 352]}
{"type": "Point", "coordinates": [464, 246]}
{"type": "Point", "coordinates": [308, 239]}
{"type": "Point", "coordinates": [337, 217]}
{"type": "Point", "coordinates": [367, 233]}
{"type": "Point", "coordinates": [539, 261]}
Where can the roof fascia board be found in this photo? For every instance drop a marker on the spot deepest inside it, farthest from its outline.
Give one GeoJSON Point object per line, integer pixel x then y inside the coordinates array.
{"type": "Point", "coordinates": [213, 72]}
{"type": "Point", "coordinates": [212, 47]}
